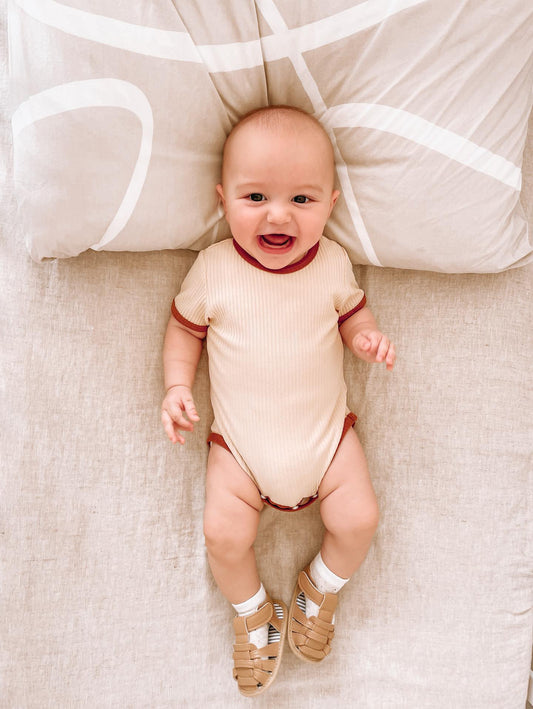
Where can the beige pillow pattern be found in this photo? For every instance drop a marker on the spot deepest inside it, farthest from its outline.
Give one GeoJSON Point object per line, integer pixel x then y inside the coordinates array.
{"type": "Point", "coordinates": [120, 111]}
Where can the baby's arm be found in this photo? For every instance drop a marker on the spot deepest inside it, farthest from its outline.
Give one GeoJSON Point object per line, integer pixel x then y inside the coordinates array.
{"type": "Point", "coordinates": [181, 353]}
{"type": "Point", "coordinates": [360, 333]}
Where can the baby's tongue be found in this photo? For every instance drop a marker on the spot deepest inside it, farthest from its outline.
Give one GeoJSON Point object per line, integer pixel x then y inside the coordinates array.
{"type": "Point", "coordinates": [275, 239]}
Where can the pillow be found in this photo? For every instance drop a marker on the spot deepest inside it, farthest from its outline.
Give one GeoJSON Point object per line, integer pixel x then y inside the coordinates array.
{"type": "Point", "coordinates": [121, 110]}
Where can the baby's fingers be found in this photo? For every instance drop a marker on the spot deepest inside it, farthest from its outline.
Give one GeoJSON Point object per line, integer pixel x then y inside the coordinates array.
{"type": "Point", "coordinates": [176, 414]}
{"type": "Point", "coordinates": [386, 352]}
{"type": "Point", "coordinates": [363, 343]}
{"type": "Point", "coordinates": [170, 428]}
{"type": "Point", "coordinates": [391, 357]}
{"type": "Point", "coordinates": [190, 409]}
{"type": "Point", "coordinates": [173, 417]}
{"type": "Point", "coordinates": [383, 346]}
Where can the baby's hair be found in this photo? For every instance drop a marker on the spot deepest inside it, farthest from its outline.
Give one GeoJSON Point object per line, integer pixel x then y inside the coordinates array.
{"type": "Point", "coordinates": [277, 116]}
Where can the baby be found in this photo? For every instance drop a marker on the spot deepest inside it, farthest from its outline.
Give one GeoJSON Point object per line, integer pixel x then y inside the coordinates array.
{"type": "Point", "coordinates": [275, 304]}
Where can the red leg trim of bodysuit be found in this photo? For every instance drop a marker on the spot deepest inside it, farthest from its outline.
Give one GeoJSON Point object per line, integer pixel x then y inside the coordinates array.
{"type": "Point", "coordinates": [217, 438]}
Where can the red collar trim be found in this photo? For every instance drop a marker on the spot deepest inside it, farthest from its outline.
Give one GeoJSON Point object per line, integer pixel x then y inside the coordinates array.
{"type": "Point", "coordinates": [291, 268]}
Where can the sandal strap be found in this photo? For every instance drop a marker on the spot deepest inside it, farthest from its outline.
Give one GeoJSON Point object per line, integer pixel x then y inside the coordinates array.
{"type": "Point", "coordinates": [243, 625]}
{"type": "Point", "coordinates": [326, 602]}
{"type": "Point", "coordinates": [254, 667]}
{"type": "Point", "coordinates": [312, 636]}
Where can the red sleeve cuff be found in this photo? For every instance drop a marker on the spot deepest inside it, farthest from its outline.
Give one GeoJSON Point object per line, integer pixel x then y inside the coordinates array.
{"type": "Point", "coordinates": [351, 312]}
{"type": "Point", "coordinates": [179, 317]}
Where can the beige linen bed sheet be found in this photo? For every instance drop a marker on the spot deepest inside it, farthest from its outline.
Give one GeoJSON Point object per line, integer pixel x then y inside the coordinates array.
{"type": "Point", "coordinates": [107, 600]}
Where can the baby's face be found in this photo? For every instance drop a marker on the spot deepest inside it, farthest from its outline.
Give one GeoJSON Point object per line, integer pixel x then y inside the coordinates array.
{"type": "Point", "coordinates": [277, 191]}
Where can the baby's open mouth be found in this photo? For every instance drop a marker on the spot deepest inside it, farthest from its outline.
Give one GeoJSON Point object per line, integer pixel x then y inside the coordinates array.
{"type": "Point", "coordinates": [276, 240]}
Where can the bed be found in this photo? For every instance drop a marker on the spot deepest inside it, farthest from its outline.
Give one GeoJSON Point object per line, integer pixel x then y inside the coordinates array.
{"type": "Point", "coordinates": [112, 123]}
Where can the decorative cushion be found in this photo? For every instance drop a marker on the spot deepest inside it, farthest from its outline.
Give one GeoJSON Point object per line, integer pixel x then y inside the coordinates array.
{"type": "Point", "coordinates": [120, 111]}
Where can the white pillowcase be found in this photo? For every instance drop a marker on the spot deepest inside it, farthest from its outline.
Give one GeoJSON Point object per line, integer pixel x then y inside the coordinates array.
{"type": "Point", "coordinates": [121, 110]}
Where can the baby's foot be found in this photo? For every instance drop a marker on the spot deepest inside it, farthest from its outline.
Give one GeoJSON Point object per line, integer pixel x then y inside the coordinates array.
{"type": "Point", "coordinates": [311, 619]}
{"type": "Point", "coordinates": [256, 665]}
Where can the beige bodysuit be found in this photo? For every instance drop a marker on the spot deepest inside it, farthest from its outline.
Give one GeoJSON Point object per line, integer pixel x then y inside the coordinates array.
{"type": "Point", "coordinates": [275, 359]}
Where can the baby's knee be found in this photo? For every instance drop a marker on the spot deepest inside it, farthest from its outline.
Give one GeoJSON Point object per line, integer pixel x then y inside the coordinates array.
{"type": "Point", "coordinates": [368, 518]}
{"type": "Point", "coordinates": [216, 530]}
{"type": "Point", "coordinates": [356, 520]}
{"type": "Point", "coordinates": [224, 535]}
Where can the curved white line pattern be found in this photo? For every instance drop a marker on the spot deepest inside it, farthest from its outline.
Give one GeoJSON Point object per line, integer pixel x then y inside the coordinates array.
{"type": "Point", "coordinates": [89, 94]}
{"type": "Point", "coordinates": [272, 15]}
{"type": "Point", "coordinates": [148, 41]}
{"type": "Point", "coordinates": [329, 29]}
{"type": "Point", "coordinates": [232, 56]}
{"type": "Point", "coordinates": [282, 43]}
{"type": "Point", "coordinates": [412, 127]}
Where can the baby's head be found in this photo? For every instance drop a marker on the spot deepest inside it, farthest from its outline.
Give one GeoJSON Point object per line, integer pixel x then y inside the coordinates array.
{"type": "Point", "coordinates": [277, 187]}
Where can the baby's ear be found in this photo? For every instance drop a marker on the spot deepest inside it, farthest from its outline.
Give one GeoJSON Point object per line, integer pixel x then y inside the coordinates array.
{"type": "Point", "coordinates": [334, 197]}
{"type": "Point", "coordinates": [220, 192]}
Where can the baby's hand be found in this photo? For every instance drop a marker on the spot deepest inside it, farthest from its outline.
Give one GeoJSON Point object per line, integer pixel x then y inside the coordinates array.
{"type": "Point", "coordinates": [177, 402]}
{"type": "Point", "coordinates": [374, 346]}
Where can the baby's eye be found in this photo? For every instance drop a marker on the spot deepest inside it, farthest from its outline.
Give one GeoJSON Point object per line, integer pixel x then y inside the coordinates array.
{"type": "Point", "coordinates": [301, 199]}
{"type": "Point", "coordinates": [256, 197]}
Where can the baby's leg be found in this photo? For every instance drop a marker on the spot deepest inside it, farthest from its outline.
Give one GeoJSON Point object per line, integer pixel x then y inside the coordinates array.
{"type": "Point", "coordinates": [232, 509]}
{"type": "Point", "coordinates": [349, 512]}
{"type": "Point", "coordinates": [231, 518]}
{"type": "Point", "coordinates": [348, 508]}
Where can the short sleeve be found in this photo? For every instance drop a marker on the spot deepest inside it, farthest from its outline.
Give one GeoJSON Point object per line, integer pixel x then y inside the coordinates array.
{"type": "Point", "coordinates": [190, 305]}
{"type": "Point", "coordinates": [349, 298]}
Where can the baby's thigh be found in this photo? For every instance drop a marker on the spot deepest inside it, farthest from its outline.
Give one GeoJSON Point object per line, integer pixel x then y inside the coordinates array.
{"type": "Point", "coordinates": [232, 501]}
{"type": "Point", "coordinates": [346, 486]}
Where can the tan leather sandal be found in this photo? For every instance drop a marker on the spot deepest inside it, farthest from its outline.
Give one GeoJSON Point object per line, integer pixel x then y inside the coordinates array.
{"type": "Point", "coordinates": [310, 638]}
{"type": "Point", "coordinates": [255, 669]}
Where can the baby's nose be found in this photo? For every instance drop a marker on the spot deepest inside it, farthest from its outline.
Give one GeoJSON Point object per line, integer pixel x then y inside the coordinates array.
{"type": "Point", "coordinates": [278, 214]}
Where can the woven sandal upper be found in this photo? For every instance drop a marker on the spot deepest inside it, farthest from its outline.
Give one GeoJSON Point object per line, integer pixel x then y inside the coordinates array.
{"type": "Point", "coordinates": [312, 636]}
{"type": "Point", "coordinates": [254, 669]}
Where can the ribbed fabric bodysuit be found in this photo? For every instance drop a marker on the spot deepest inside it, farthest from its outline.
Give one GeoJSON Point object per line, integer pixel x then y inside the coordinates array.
{"type": "Point", "coordinates": [275, 359]}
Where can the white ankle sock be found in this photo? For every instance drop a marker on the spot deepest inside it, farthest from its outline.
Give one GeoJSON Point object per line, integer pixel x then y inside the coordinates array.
{"type": "Point", "coordinates": [325, 580]}
{"type": "Point", "coordinates": [258, 637]}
